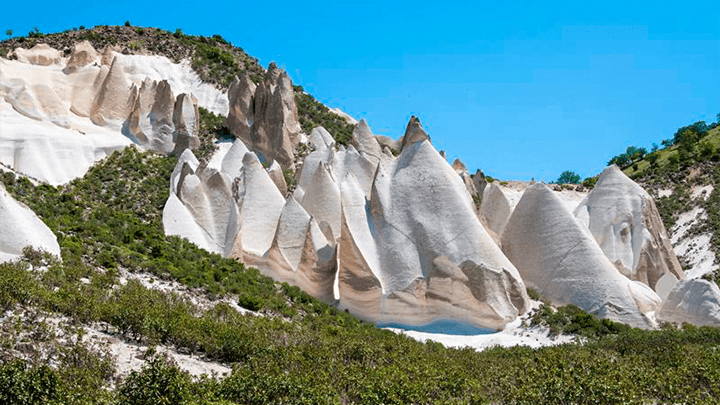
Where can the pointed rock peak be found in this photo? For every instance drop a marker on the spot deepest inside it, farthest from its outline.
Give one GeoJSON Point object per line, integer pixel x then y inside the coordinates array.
{"type": "Point", "coordinates": [274, 73]}
{"type": "Point", "coordinates": [480, 182]}
{"type": "Point", "coordinates": [414, 132]}
{"type": "Point", "coordinates": [83, 54]}
{"type": "Point", "coordinates": [364, 140]}
{"type": "Point", "coordinates": [459, 166]}
{"type": "Point", "coordinates": [613, 175]}
{"type": "Point", "coordinates": [321, 138]}
{"type": "Point", "coordinates": [108, 56]}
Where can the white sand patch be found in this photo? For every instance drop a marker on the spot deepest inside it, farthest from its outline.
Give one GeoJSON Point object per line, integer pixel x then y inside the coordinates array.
{"type": "Point", "coordinates": [132, 357]}
{"type": "Point", "coordinates": [215, 161]}
{"type": "Point", "coordinates": [698, 254]}
{"type": "Point", "coordinates": [667, 192]}
{"type": "Point", "coordinates": [514, 334]}
{"type": "Point", "coordinates": [702, 191]}
{"type": "Point", "coordinates": [684, 222]}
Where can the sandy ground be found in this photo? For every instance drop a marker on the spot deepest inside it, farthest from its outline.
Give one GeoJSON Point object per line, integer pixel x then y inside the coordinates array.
{"type": "Point", "coordinates": [516, 333]}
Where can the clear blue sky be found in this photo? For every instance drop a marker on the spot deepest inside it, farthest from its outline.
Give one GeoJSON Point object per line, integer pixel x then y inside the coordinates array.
{"type": "Point", "coordinates": [518, 89]}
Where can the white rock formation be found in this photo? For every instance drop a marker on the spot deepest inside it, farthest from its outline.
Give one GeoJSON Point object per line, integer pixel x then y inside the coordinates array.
{"type": "Point", "coordinates": [396, 241]}
{"type": "Point", "coordinates": [270, 125]}
{"type": "Point", "coordinates": [495, 208]}
{"type": "Point", "coordinates": [625, 223]}
{"type": "Point", "coordinates": [461, 170]}
{"type": "Point", "coordinates": [696, 301]}
{"type": "Point", "coordinates": [20, 227]}
{"type": "Point", "coordinates": [556, 255]}
{"type": "Point", "coordinates": [59, 115]}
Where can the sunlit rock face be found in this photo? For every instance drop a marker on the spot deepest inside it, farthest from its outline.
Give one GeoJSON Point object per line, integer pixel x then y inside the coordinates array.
{"type": "Point", "coordinates": [59, 115]}
{"type": "Point", "coordinates": [20, 227]}
{"type": "Point", "coordinates": [696, 301]}
{"type": "Point", "coordinates": [265, 116]}
{"type": "Point", "coordinates": [495, 208]}
{"type": "Point", "coordinates": [395, 240]}
{"type": "Point", "coordinates": [624, 221]}
{"type": "Point", "coordinates": [556, 255]}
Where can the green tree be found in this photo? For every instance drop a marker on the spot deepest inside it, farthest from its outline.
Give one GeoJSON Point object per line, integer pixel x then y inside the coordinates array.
{"type": "Point", "coordinates": [9, 33]}
{"type": "Point", "coordinates": [568, 177]}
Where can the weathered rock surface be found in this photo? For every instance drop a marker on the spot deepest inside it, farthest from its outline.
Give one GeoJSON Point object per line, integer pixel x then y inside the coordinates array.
{"type": "Point", "coordinates": [625, 222]}
{"type": "Point", "coordinates": [696, 301]}
{"type": "Point", "coordinates": [557, 256]}
{"type": "Point", "coordinates": [40, 54]}
{"type": "Point", "coordinates": [20, 227]}
{"type": "Point", "coordinates": [265, 117]}
{"type": "Point", "coordinates": [495, 208]}
{"type": "Point", "coordinates": [58, 115]}
{"type": "Point", "coordinates": [368, 230]}
{"type": "Point", "coordinates": [461, 170]}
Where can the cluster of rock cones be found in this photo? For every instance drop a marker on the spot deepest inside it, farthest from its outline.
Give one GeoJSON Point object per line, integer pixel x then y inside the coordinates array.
{"type": "Point", "coordinates": [395, 238]}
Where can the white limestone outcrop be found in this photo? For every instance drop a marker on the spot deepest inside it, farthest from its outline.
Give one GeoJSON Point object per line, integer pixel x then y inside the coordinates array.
{"type": "Point", "coordinates": [59, 115]}
{"type": "Point", "coordinates": [625, 222]}
{"type": "Point", "coordinates": [20, 227]}
{"type": "Point", "coordinates": [696, 301]}
{"type": "Point", "coordinates": [557, 255]}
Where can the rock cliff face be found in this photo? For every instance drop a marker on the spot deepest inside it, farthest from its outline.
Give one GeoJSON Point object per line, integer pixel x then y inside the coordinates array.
{"type": "Point", "coordinates": [624, 221]}
{"type": "Point", "coordinates": [265, 116]}
{"type": "Point", "coordinates": [58, 115]}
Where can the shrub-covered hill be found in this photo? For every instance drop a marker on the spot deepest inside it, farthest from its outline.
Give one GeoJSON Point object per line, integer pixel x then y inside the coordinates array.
{"type": "Point", "coordinates": [292, 348]}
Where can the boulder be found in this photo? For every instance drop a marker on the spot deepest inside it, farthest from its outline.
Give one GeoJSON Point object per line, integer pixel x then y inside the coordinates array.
{"type": "Point", "coordinates": [625, 222]}
{"type": "Point", "coordinates": [558, 257]}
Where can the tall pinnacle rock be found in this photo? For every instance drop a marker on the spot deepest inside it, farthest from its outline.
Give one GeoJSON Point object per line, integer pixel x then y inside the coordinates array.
{"type": "Point", "coordinates": [265, 116]}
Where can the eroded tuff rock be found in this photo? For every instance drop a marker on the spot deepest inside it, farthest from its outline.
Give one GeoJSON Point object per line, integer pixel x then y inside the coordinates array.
{"type": "Point", "coordinates": [265, 116]}
{"type": "Point", "coordinates": [625, 222]}
{"type": "Point", "coordinates": [40, 54]}
{"type": "Point", "coordinates": [557, 256]}
{"type": "Point", "coordinates": [20, 227]}
{"type": "Point", "coordinates": [696, 301]}
{"type": "Point", "coordinates": [461, 170]}
{"type": "Point", "coordinates": [376, 227]}
{"type": "Point", "coordinates": [61, 114]}
{"type": "Point", "coordinates": [495, 208]}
